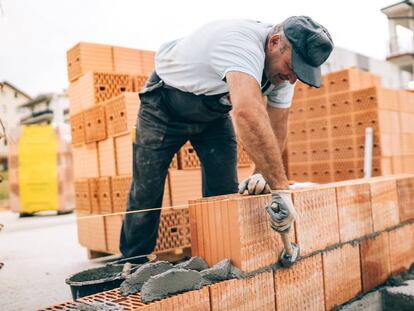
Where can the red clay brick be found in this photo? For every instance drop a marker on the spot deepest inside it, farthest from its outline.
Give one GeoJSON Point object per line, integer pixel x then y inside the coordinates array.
{"type": "Point", "coordinates": [401, 248]}
{"type": "Point", "coordinates": [375, 261]}
{"type": "Point", "coordinates": [354, 210]}
{"type": "Point", "coordinates": [317, 224]}
{"type": "Point", "coordinates": [105, 195]}
{"type": "Point", "coordinates": [405, 188]}
{"type": "Point", "coordinates": [301, 286]}
{"type": "Point", "coordinates": [245, 235]}
{"type": "Point", "coordinates": [113, 232]}
{"type": "Point", "coordinates": [91, 232]}
{"type": "Point", "coordinates": [256, 293]}
{"type": "Point", "coordinates": [342, 275]}
{"type": "Point", "coordinates": [384, 203]}
{"type": "Point", "coordinates": [185, 186]}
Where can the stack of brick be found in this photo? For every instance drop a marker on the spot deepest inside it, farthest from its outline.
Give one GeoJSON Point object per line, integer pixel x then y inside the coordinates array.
{"type": "Point", "coordinates": [327, 128]}
{"type": "Point", "coordinates": [104, 103]}
{"type": "Point", "coordinates": [353, 235]}
{"type": "Point", "coordinates": [103, 94]}
{"type": "Point", "coordinates": [37, 181]}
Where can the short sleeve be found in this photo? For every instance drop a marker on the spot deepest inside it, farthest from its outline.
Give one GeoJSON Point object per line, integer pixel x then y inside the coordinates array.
{"type": "Point", "coordinates": [281, 95]}
{"type": "Point", "coordinates": [239, 52]}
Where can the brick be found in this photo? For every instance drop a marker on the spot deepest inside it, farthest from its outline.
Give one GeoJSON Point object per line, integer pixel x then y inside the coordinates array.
{"type": "Point", "coordinates": [174, 230]}
{"type": "Point", "coordinates": [375, 98]}
{"type": "Point", "coordinates": [297, 131]}
{"type": "Point", "coordinates": [120, 189]}
{"type": "Point", "coordinates": [318, 128]}
{"type": "Point", "coordinates": [121, 113]}
{"type": "Point", "coordinates": [255, 293]}
{"type": "Point", "coordinates": [299, 92]}
{"type": "Point", "coordinates": [107, 157]}
{"type": "Point", "coordinates": [77, 129]}
{"type": "Point", "coordinates": [243, 159]}
{"type": "Point", "coordinates": [91, 232]}
{"type": "Point", "coordinates": [113, 225]}
{"type": "Point", "coordinates": [405, 190]}
{"type": "Point", "coordinates": [191, 300]}
{"type": "Point", "coordinates": [94, 195]}
{"type": "Point", "coordinates": [299, 171]}
{"type": "Point", "coordinates": [384, 204]}
{"type": "Point", "coordinates": [321, 172]}
{"type": "Point", "coordinates": [343, 148]}
{"type": "Point", "coordinates": [84, 57]}
{"type": "Point", "coordinates": [95, 125]}
{"type": "Point", "coordinates": [349, 79]}
{"type": "Point", "coordinates": [123, 154]}
{"type": "Point", "coordinates": [320, 150]}
{"type": "Point", "coordinates": [375, 261]}
{"type": "Point", "coordinates": [354, 210]}
{"type": "Point", "coordinates": [342, 275]}
{"type": "Point", "coordinates": [360, 146]}
{"type": "Point", "coordinates": [341, 126]}
{"type": "Point", "coordinates": [316, 206]}
{"type": "Point", "coordinates": [127, 60]}
{"type": "Point", "coordinates": [339, 103]}
{"type": "Point", "coordinates": [345, 170]}
{"type": "Point", "coordinates": [316, 107]}
{"type": "Point", "coordinates": [405, 100]}
{"type": "Point", "coordinates": [297, 110]}
{"type": "Point", "coordinates": [401, 248]}
{"type": "Point", "coordinates": [185, 186]}
{"type": "Point", "coordinates": [298, 152]}
{"type": "Point", "coordinates": [85, 161]}
{"type": "Point", "coordinates": [235, 227]}
{"type": "Point", "coordinates": [311, 91]}
{"type": "Point", "coordinates": [301, 286]}
{"type": "Point", "coordinates": [82, 196]}
{"type": "Point", "coordinates": [105, 194]}
{"type": "Point", "coordinates": [188, 158]}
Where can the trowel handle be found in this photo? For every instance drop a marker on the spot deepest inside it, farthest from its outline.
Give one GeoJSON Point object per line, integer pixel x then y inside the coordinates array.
{"type": "Point", "coordinates": [286, 243]}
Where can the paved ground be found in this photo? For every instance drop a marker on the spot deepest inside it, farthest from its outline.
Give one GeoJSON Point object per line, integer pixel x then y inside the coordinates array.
{"type": "Point", "coordinates": [38, 254]}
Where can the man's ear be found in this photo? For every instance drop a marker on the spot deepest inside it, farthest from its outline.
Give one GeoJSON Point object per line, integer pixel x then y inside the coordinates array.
{"type": "Point", "coordinates": [274, 41]}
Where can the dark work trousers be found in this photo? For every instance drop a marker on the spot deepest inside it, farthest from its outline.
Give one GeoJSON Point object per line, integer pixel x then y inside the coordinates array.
{"type": "Point", "coordinates": [167, 119]}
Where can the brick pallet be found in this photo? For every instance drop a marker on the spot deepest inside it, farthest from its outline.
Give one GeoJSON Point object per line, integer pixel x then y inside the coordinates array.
{"type": "Point", "coordinates": [327, 128]}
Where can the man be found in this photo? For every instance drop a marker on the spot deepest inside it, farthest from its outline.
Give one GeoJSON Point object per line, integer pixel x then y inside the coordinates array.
{"type": "Point", "coordinates": [198, 79]}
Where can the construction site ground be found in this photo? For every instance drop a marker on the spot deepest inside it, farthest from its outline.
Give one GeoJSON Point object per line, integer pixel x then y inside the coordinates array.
{"type": "Point", "coordinates": [38, 253]}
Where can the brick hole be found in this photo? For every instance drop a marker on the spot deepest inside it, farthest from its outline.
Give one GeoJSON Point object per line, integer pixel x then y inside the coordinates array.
{"type": "Point", "coordinates": [102, 88]}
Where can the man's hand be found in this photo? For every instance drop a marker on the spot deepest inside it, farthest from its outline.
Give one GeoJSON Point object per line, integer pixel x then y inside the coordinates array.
{"type": "Point", "coordinates": [281, 211]}
{"type": "Point", "coordinates": [254, 184]}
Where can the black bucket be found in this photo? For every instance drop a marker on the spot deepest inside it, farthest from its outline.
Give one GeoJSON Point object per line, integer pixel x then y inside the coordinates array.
{"type": "Point", "coordinates": [96, 280]}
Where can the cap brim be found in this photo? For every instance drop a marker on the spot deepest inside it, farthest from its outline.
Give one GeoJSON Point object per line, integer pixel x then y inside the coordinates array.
{"type": "Point", "coordinates": [306, 73]}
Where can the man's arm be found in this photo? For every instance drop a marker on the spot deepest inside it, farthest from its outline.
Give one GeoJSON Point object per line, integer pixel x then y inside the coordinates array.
{"type": "Point", "coordinates": [254, 129]}
{"type": "Point", "coordinates": [278, 121]}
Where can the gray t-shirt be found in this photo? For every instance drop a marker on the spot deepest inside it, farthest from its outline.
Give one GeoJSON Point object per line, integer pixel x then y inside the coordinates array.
{"type": "Point", "coordinates": [199, 62]}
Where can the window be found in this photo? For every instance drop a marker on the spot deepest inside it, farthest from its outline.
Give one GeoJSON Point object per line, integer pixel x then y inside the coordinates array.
{"type": "Point", "coordinates": [16, 94]}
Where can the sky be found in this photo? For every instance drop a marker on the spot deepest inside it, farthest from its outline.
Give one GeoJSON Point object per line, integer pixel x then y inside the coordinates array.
{"type": "Point", "coordinates": [35, 34]}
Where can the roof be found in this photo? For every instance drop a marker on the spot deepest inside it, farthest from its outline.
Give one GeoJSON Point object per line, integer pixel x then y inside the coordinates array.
{"type": "Point", "coordinates": [16, 89]}
{"type": "Point", "coordinates": [38, 99]}
{"type": "Point", "coordinates": [396, 7]}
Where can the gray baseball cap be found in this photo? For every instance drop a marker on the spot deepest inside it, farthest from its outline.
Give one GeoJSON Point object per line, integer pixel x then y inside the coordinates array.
{"type": "Point", "coordinates": [311, 46]}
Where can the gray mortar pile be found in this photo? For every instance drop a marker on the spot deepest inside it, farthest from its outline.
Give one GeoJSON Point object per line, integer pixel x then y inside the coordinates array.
{"type": "Point", "coordinates": [161, 279]}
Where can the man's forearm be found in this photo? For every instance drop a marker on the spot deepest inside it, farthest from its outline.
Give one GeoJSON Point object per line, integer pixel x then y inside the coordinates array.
{"type": "Point", "coordinates": [256, 133]}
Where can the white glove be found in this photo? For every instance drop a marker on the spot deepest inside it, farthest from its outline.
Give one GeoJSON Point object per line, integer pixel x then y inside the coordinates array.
{"type": "Point", "coordinates": [281, 211]}
{"type": "Point", "coordinates": [255, 184]}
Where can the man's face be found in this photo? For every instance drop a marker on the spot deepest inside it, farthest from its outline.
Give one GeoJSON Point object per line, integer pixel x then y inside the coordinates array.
{"type": "Point", "coordinates": [278, 64]}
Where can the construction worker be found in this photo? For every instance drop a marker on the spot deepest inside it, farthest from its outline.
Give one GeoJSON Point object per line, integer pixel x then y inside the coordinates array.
{"type": "Point", "coordinates": [224, 65]}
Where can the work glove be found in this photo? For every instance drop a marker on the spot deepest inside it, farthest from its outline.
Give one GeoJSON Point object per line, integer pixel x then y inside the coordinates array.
{"type": "Point", "coordinates": [281, 211]}
{"type": "Point", "coordinates": [254, 184]}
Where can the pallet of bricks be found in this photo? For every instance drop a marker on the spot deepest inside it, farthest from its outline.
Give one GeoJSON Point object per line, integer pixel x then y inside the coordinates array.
{"type": "Point", "coordinates": [40, 179]}
{"type": "Point", "coordinates": [353, 235]}
{"type": "Point", "coordinates": [103, 94]}
{"type": "Point", "coordinates": [327, 128]}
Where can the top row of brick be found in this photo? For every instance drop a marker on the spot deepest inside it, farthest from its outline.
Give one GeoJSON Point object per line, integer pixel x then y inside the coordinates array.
{"type": "Point", "coordinates": [85, 57]}
{"type": "Point", "coordinates": [349, 79]}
